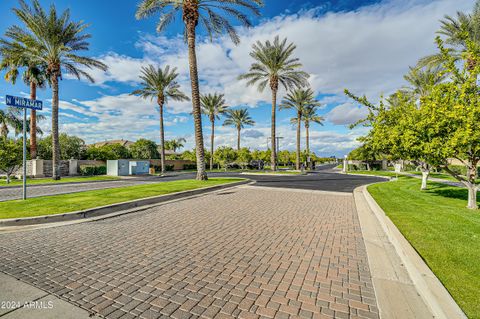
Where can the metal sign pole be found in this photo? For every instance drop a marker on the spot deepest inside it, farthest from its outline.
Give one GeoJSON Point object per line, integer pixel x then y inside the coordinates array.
{"type": "Point", "coordinates": [24, 153]}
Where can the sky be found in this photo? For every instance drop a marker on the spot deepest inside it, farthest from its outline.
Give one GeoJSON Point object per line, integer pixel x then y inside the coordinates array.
{"type": "Point", "coordinates": [363, 45]}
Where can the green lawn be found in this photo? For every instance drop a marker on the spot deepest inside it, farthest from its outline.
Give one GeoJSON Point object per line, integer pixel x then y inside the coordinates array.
{"type": "Point", "coordinates": [37, 181]}
{"type": "Point", "coordinates": [442, 230]}
{"type": "Point", "coordinates": [376, 173]}
{"type": "Point", "coordinates": [59, 204]}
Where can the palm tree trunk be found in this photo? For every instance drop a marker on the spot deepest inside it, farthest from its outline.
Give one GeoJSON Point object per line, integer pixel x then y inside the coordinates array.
{"type": "Point", "coordinates": [162, 138]}
{"type": "Point", "coordinates": [55, 140]}
{"type": "Point", "coordinates": [33, 123]}
{"type": "Point", "coordinates": [212, 141]}
{"type": "Point", "coordinates": [273, 158]}
{"type": "Point", "coordinates": [307, 136]}
{"type": "Point", "coordinates": [238, 138]}
{"type": "Point", "coordinates": [197, 118]}
{"type": "Point", "coordinates": [299, 124]}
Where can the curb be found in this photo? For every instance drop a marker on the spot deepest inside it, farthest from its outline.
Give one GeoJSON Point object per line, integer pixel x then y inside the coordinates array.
{"type": "Point", "coordinates": [438, 301]}
{"type": "Point", "coordinates": [109, 209]}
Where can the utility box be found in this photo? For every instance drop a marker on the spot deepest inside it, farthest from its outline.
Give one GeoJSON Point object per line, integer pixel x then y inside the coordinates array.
{"type": "Point", "coordinates": [118, 167]}
{"type": "Point", "coordinates": [139, 167]}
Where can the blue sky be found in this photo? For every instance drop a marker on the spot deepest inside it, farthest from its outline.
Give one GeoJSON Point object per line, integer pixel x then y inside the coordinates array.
{"type": "Point", "coordinates": [363, 45]}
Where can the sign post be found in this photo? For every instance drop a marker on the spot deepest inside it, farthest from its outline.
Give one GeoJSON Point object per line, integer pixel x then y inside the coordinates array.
{"type": "Point", "coordinates": [25, 104]}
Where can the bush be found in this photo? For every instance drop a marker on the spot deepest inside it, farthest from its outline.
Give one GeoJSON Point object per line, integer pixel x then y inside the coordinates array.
{"type": "Point", "coordinates": [90, 170]}
{"type": "Point", "coordinates": [168, 168]}
{"type": "Point", "coordinates": [189, 166]}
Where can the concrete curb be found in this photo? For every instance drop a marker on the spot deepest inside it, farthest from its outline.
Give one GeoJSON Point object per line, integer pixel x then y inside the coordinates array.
{"type": "Point", "coordinates": [109, 209]}
{"type": "Point", "coordinates": [410, 270]}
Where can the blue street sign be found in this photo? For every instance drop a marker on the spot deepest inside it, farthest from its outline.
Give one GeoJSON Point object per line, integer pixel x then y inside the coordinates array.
{"type": "Point", "coordinates": [23, 102]}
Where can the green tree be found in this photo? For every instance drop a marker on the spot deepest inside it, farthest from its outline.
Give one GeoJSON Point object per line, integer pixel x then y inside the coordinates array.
{"type": "Point", "coordinates": [213, 105]}
{"type": "Point", "coordinates": [274, 65]}
{"type": "Point", "coordinates": [210, 14]}
{"type": "Point", "coordinates": [107, 152]}
{"type": "Point", "coordinates": [175, 144]}
{"type": "Point", "coordinates": [225, 155]}
{"type": "Point", "coordinates": [285, 157]}
{"type": "Point", "coordinates": [71, 147]}
{"type": "Point", "coordinates": [189, 156]}
{"type": "Point", "coordinates": [9, 118]}
{"type": "Point", "coordinates": [144, 149]}
{"type": "Point", "coordinates": [298, 100]}
{"type": "Point", "coordinates": [52, 40]}
{"type": "Point", "coordinates": [421, 80]}
{"type": "Point", "coordinates": [310, 116]}
{"type": "Point", "coordinates": [11, 153]}
{"type": "Point", "coordinates": [244, 156]}
{"type": "Point", "coordinates": [239, 119]}
{"type": "Point", "coordinates": [160, 85]}
{"type": "Point", "coordinates": [14, 57]}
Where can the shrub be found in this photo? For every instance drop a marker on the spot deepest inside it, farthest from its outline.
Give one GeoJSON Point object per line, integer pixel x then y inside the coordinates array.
{"type": "Point", "coordinates": [90, 170]}
{"type": "Point", "coordinates": [168, 168]}
{"type": "Point", "coordinates": [189, 166]}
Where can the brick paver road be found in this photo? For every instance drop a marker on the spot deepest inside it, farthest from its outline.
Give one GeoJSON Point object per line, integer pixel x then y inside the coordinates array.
{"type": "Point", "coordinates": [248, 252]}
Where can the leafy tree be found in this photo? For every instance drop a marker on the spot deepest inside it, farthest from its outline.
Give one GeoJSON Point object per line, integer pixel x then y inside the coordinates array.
{"type": "Point", "coordinates": [285, 157]}
{"type": "Point", "coordinates": [298, 100]}
{"type": "Point", "coordinates": [9, 118]}
{"type": "Point", "coordinates": [175, 144]}
{"type": "Point", "coordinates": [189, 156]}
{"type": "Point", "coordinates": [213, 105]}
{"type": "Point", "coordinates": [421, 80]}
{"type": "Point", "coordinates": [144, 149]}
{"type": "Point", "coordinates": [160, 85]}
{"type": "Point", "coordinates": [244, 156]}
{"type": "Point", "coordinates": [52, 40]}
{"type": "Point", "coordinates": [34, 75]}
{"type": "Point", "coordinates": [210, 14]}
{"type": "Point", "coordinates": [239, 119]}
{"type": "Point", "coordinates": [274, 65]}
{"type": "Point", "coordinates": [310, 116]}
{"type": "Point", "coordinates": [225, 155]}
{"type": "Point", "coordinates": [71, 147]}
{"type": "Point", "coordinates": [364, 153]}
{"type": "Point", "coordinates": [107, 152]}
{"type": "Point", "coordinates": [11, 153]}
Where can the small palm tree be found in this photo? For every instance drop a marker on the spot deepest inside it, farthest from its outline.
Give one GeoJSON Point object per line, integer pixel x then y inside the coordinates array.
{"type": "Point", "coordinates": [34, 76]}
{"type": "Point", "coordinates": [52, 40]}
{"type": "Point", "coordinates": [421, 80]}
{"type": "Point", "coordinates": [299, 100]}
{"type": "Point", "coordinates": [239, 119]}
{"type": "Point", "coordinates": [160, 85]}
{"type": "Point", "coordinates": [9, 118]}
{"type": "Point", "coordinates": [458, 31]}
{"type": "Point", "coordinates": [310, 116]}
{"type": "Point", "coordinates": [211, 15]}
{"type": "Point", "coordinates": [175, 144]}
{"type": "Point", "coordinates": [274, 65]}
{"type": "Point", "coordinates": [212, 106]}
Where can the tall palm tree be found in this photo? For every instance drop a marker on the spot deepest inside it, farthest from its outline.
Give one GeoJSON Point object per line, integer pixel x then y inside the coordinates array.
{"type": "Point", "coordinates": [274, 65]}
{"type": "Point", "coordinates": [239, 119]}
{"type": "Point", "coordinates": [34, 76]}
{"type": "Point", "coordinates": [213, 105]}
{"type": "Point", "coordinates": [457, 32]}
{"type": "Point", "coordinates": [421, 80]}
{"type": "Point", "coordinates": [211, 15]}
{"type": "Point", "coordinates": [175, 144]}
{"type": "Point", "coordinates": [161, 85]}
{"type": "Point", "coordinates": [299, 100]}
{"type": "Point", "coordinates": [9, 118]}
{"type": "Point", "coordinates": [52, 40]}
{"type": "Point", "coordinates": [310, 116]}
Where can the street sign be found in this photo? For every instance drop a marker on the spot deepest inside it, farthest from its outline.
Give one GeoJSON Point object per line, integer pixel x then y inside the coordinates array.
{"type": "Point", "coordinates": [24, 102]}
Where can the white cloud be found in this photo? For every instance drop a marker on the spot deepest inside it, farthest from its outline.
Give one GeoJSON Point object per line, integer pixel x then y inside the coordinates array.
{"type": "Point", "coordinates": [347, 113]}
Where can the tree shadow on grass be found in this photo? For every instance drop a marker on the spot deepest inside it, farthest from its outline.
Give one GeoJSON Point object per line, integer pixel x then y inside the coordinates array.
{"type": "Point", "coordinates": [450, 192]}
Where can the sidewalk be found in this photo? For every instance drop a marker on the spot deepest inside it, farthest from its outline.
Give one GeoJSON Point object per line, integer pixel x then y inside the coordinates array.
{"type": "Point", "coordinates": [34, 303]}
{"type": "Point", "coordinates": [436, 180]}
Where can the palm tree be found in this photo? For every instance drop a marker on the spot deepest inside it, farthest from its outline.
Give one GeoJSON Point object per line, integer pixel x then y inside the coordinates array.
{"type": "Point", "coordinates": [421, 80]}
{"type": "Point", "coordinates": [458, 31]}
{"type": "Point", "coordinates": [34, 76]}
{"type": "Point", "coordinates": [160, 85]}
{"type": "Point", "coordinates": [211, 15]}
{"type": "Point", "coordinates": [9, 117]}
{"type": "Point", "coordinates": [175, 144]}
{"type": "Point", "coordinates": [238, 119]}
{"type": "Point", "coordinates": [274, 65]}
{"type": "Point", "coordinates": [310, 116]}
{"type": "Point", "coordinates": [299, 100]}
{"type": "Point", "coordinates": [213, 105]}
{"type": "Point", "coordinates": [52, 40]}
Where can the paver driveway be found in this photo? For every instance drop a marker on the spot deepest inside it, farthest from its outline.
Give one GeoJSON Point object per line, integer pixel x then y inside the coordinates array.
{"type": "Point", "coordinates": [247, 252]}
